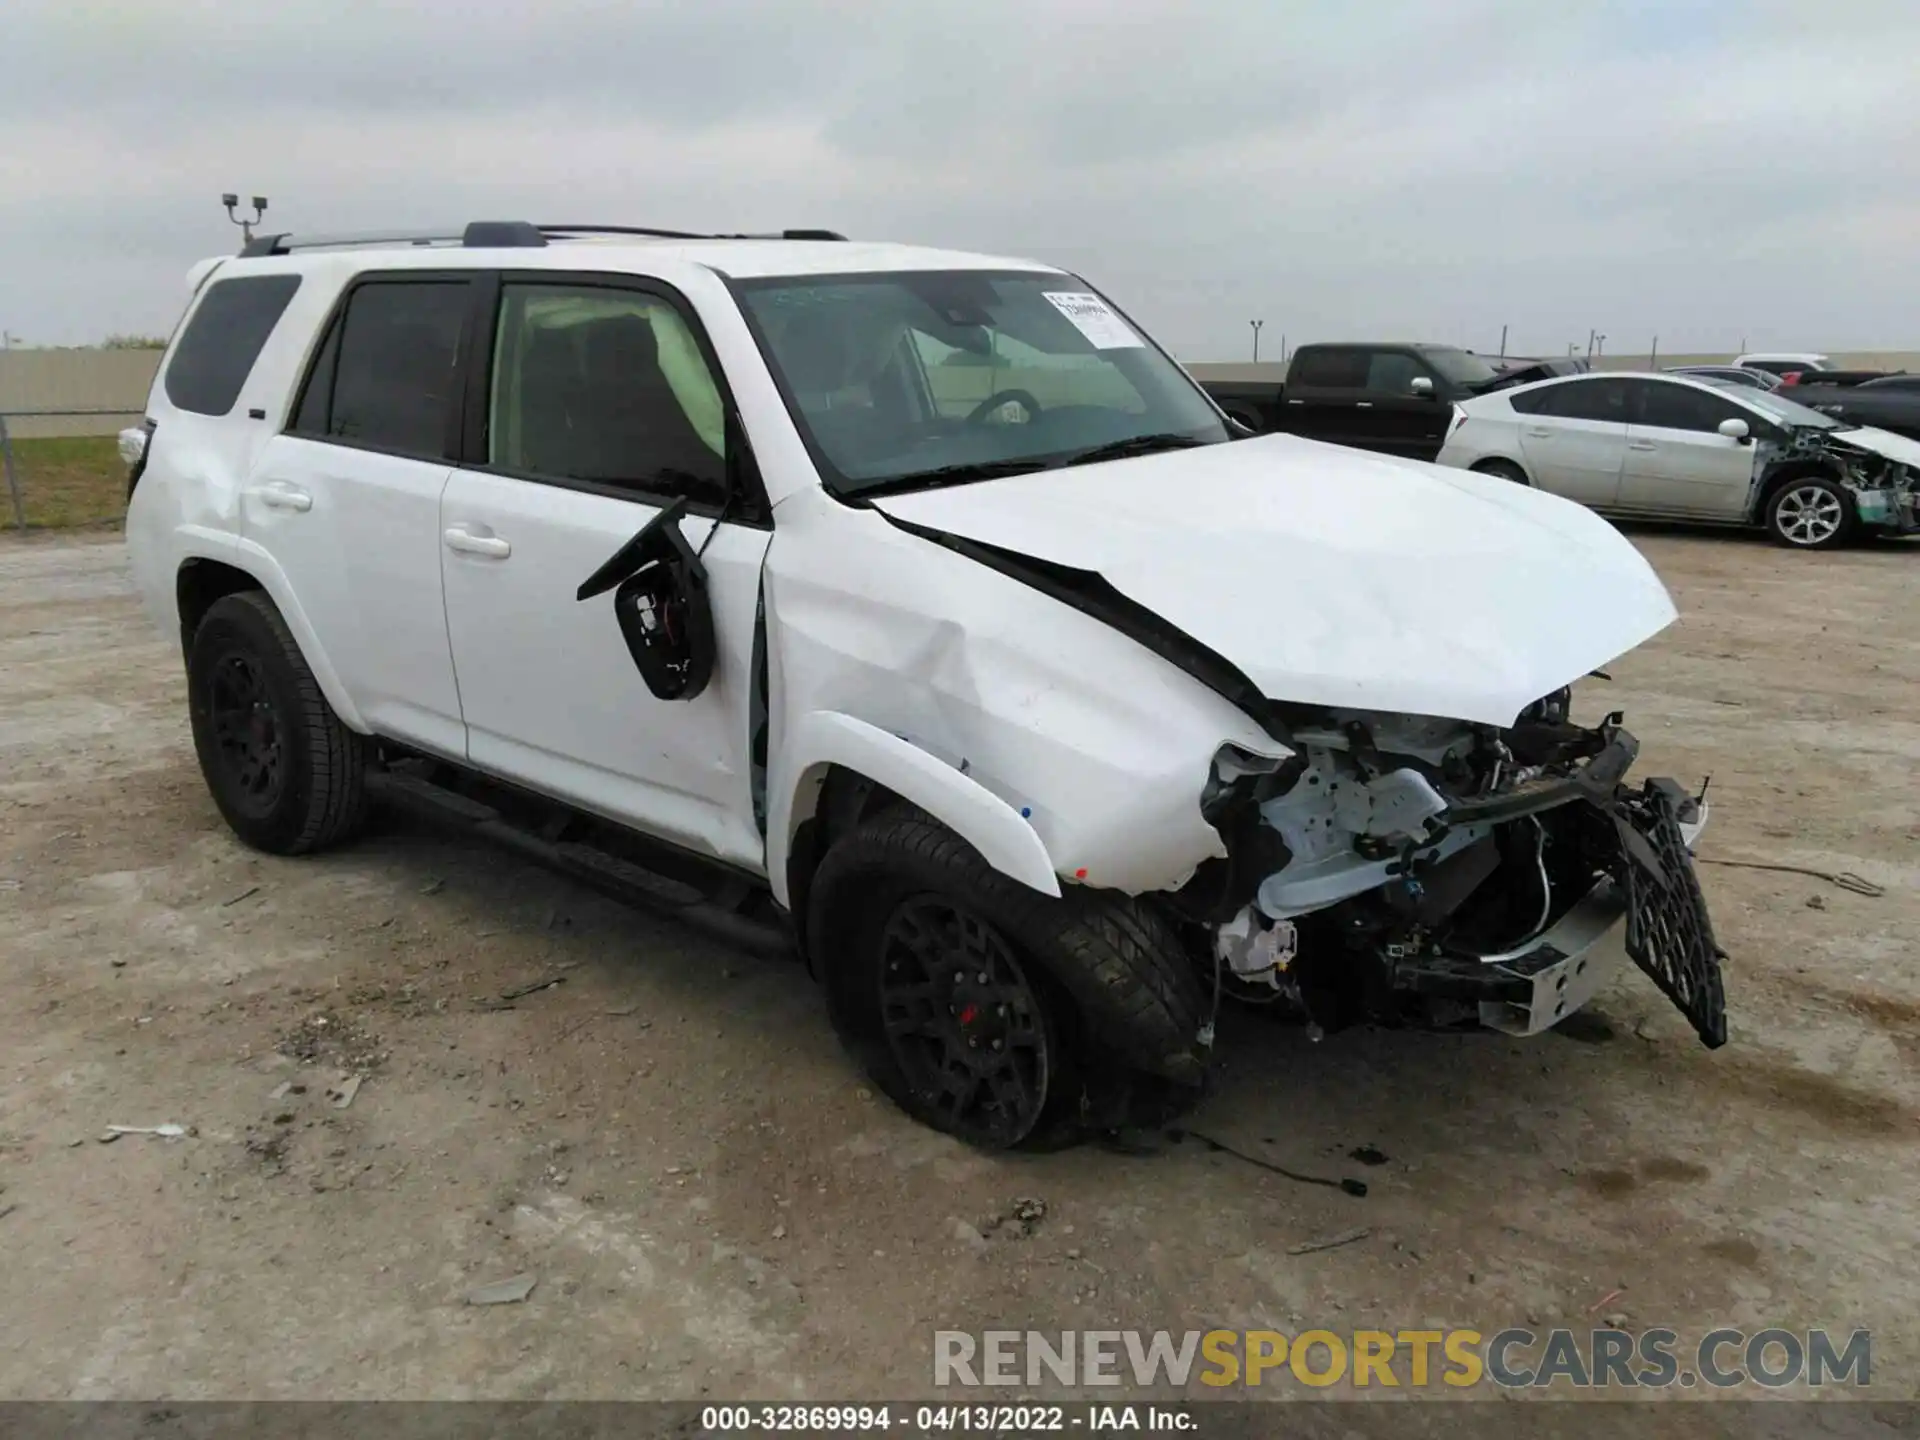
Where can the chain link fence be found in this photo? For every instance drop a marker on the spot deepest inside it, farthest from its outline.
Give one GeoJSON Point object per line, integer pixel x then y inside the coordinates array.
{"type": "Point", "coordinates": [66, 481]}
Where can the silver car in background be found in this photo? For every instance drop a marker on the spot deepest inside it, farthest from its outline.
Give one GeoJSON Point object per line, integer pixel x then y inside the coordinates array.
{"type": "Point", "coordinates": [1673, 447]}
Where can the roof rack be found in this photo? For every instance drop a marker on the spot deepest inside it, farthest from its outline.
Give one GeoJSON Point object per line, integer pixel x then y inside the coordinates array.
{"type": "Point", "coordinates": [686, 234]}
{"type": "Point", "coordinates": [495, 235]}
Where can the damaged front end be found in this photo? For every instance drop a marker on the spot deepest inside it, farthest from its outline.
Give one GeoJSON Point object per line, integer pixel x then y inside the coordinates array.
{"type": "Point", "coordinates": [1880, 471]}
{"type": "Point", "coordinates": [1415, 870]}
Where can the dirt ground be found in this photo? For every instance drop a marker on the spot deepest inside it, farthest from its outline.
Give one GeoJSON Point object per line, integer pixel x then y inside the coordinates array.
{"type": "Point", "coordinates": [713, 1203]}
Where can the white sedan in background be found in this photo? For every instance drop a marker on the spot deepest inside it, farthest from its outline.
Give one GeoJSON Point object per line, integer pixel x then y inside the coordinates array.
{"type": "Point", "coordinates": [1672, 447]}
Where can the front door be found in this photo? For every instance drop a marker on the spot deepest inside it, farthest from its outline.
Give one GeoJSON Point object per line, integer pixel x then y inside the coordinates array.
{"type": "Point", "coordinates": [1404, 421]}
{"type": "Point", "coordinates": [603, 407]}
{"type": "Point", "coordinates": [1678, 462]}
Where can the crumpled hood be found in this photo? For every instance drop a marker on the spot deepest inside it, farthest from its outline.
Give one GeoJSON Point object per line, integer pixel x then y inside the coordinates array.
{"type": "Point", "coordinates": [1897, 448]}
{"type": "Point", "coordinates": [1332, 576]}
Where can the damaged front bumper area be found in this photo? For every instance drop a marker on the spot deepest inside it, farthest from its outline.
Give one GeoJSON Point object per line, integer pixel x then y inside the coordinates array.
{"type": "Point", "coordinates": [1410, 870]}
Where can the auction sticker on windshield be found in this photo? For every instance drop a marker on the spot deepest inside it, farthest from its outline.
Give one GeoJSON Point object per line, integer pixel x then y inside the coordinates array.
{"type": "Point", "coordinates": [1095, 319]}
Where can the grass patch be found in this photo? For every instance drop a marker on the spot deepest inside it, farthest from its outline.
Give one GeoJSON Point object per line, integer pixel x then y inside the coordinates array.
{"type": "Point", "coordinates": [68, 483]}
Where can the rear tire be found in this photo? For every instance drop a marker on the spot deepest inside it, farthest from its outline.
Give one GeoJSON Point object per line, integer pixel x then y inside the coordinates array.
{"type": "Point", "coordinates": [1811, 512]}
{"type": "Point", "coordinates": [287, 776]}
{"type": "Point", "coordinates": [1502, 470]}
{"type": "Point", "coordinates": [994, 1013]}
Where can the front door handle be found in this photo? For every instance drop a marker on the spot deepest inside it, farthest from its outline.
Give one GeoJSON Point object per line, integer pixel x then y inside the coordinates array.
{"type": "Point", "coordinates": [458, 537]}
{"type": "Point", "coordinates": [279, 495]}
{"type": "Point", "coordinates": [1539, 432]}
{"type": "Point", "coordinates": [1642, 445]}
{"type": "Point", "coordinates": [1363, 404]}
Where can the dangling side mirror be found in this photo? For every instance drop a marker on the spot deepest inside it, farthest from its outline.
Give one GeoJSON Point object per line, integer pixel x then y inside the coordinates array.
{"type": "Point", "coordinates": [661, 603]}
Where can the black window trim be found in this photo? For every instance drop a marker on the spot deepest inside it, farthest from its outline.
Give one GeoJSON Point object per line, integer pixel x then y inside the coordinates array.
{"type": "Point", "coordinates": [336, 318]}
{"type": "Point", "coordinates": [748, 504]}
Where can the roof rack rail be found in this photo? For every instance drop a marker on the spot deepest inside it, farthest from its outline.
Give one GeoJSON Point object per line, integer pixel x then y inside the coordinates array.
{"type": "Point", "coordinates": [478, 234]}
{"type": "Point", "coordinates": [685, 234]}
{"type": "Point", "coordinates": [496, 235]}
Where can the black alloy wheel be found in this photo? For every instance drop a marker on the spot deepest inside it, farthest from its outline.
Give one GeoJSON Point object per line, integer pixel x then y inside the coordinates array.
{"type": "Point", "coordinates": [962, 1022]}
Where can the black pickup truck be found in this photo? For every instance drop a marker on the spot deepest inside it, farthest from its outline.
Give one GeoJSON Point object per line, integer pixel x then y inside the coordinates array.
{"type": "Point", "coordinates": [1393, 397]}
{"type": "Point", "coordinates": [1890, 402]}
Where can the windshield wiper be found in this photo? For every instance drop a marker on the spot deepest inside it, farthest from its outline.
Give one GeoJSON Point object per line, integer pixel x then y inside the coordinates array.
{"type": "Point", "coordinates": [950, 475]}
{"type": "Point", "coordinates": [1134, 445]}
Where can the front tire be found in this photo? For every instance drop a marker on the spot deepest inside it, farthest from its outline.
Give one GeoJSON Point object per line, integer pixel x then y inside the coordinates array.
{"type": "Point", "coordinates": [994, 1013]}
{"type": "Point", "coordinates": [1811, 513]}
{"type": "Point", "coordinates": [287, 776]}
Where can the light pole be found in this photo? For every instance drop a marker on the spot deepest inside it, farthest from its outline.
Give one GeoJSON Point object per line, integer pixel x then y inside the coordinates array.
{"type": "Point", "coordinates": [1256, 324]}
{"type": "Point", "coordinates": [246, 226]}
{"type": "Point", "coordinates": [1599, 345]}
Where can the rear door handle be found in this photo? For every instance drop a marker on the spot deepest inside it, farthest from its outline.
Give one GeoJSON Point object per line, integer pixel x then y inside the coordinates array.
{"type": "Point", "coordinates": [279, 495]}
{"type": "Point", "coordinates": [1642, 445]}
{"type": "Point", "coordinates": [458, 537]}
{"type": "Point", "coordinates": [1363, 404]}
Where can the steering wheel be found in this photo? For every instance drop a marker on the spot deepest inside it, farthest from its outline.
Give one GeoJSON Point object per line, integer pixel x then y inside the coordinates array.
{"type": "Point", "coordinates": [978, 415]}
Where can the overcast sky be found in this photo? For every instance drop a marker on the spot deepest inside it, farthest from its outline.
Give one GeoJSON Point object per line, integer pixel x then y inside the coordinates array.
{"type": "Point", "coordinates": [1705, 170]}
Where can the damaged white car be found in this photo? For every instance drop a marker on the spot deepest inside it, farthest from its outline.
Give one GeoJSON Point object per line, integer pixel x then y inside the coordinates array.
{"type": "Point", "coordinates": [914, 610]}
{"type": "Point", "coordinates": [1679, 447]}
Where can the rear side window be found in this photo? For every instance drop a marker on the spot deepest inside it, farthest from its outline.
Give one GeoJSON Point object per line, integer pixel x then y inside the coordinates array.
{"type": "Point", "coordinates": [1582, 399]}
{"type": "Point", "coordinates": [384, 377]}
{"type": "Point", "coordinates": [1330, 368]}
{"type": "Point", "coordinates": [228, 330]}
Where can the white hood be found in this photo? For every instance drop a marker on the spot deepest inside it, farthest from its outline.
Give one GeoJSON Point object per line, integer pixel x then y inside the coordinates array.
{"type": "Point", "coordinates": [1336, 577]}
{"type": "Point", "coordinates": [1897, 448]}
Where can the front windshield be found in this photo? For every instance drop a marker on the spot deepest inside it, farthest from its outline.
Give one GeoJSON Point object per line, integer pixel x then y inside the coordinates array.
{"type": "Point", "coordinates": [931, 377]}
{"type": "Point", "coordinates": [1458, 367]}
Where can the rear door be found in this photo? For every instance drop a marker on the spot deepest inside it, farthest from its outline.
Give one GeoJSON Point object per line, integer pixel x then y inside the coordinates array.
{"type": "Point", "coordinates": [347, 500]}
{"type": "Point", "coordinates": [1322, 400]}
{"type": "Point", "coordinates": [604, 404]}
{"type": "Point", "coordinates": [1573, 436]}
{"type": "Point", "coordinates": [1677, 461]}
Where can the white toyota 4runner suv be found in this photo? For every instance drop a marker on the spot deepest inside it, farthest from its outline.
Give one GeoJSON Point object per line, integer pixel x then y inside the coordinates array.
{"type": "Point", "coordinates": [914, 609]}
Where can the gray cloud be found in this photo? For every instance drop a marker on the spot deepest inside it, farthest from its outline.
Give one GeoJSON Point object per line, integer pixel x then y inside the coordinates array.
{"type": "Point", "coordinates": [1695, 169]}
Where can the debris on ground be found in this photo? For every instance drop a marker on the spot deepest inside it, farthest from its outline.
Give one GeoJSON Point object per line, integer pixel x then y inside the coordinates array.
{"type": "Point", "coordinates": [1604, 1301]}
{"type": "Point", "coordinates": [433, 887]}
{"type": "Point", "coordinates": [342, 1091]}
{"type": "Point", "coordinates": [1024, 1215]}
{"type": "Point", "coordinates": [1330, 1242]}
{"type": "Point", "coordinates": [1844, 879]}
{"type": "Point", "coordinates": [1368, 1155]}
{"type": "Point", "coordinates": [6, 1210]}
{"type": "Point", "coordinates": [779, 1232]}
{"type": "Point", "coordinates": [521, 991]}
{"type": "Point", "coordinates": [328, 1036]}
{"type": "Point", "coordinates": [286, 1088]}
{"type": "Point", "coordinates": [1346, 1184]}
{"type": "Point", "coordinates": [245, 894]}
{"type": "Point", "coordinates": [502, 1292]}
{"type": "Point", "coordinates": [168, 1131]}
{"type": "Point", "coordinates": [1816, 902]}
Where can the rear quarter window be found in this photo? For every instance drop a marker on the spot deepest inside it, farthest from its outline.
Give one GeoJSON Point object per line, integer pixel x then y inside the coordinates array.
{"type": "Point", "coordinates": [225, 336]}
{"type": "Point", "coordinates": [1330, 368]}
